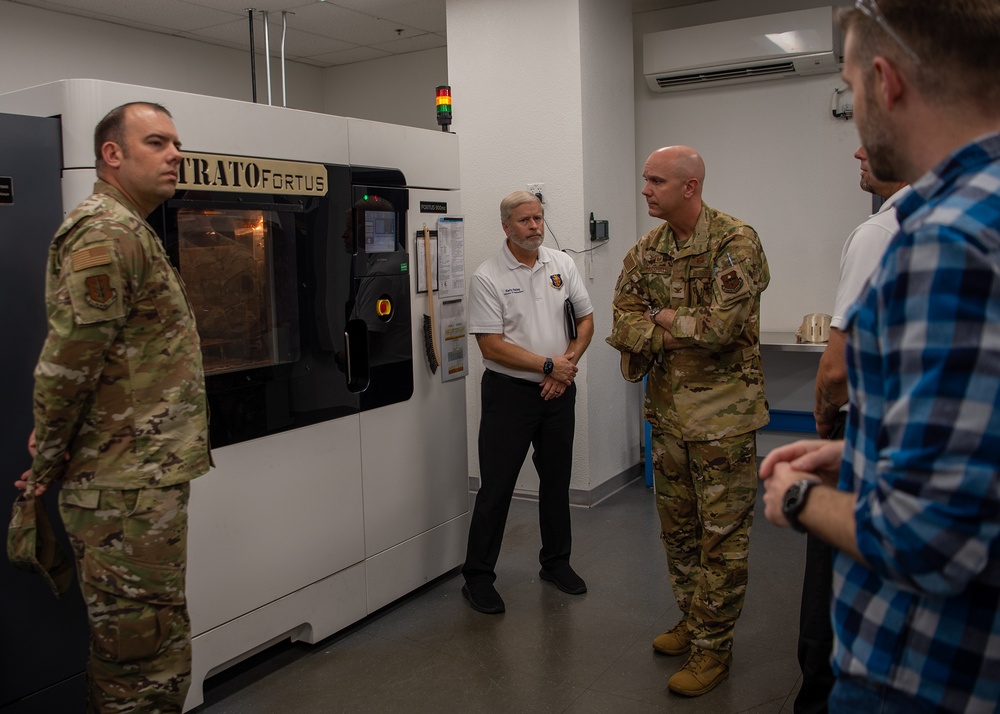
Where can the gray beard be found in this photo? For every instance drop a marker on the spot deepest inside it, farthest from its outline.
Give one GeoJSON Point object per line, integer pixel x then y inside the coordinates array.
{"type": "Point", "coordinates": [529, 243]}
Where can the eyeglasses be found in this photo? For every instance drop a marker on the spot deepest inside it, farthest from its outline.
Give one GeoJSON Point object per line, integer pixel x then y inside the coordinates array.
{"type": "Point", "coordinates": [870, 8]}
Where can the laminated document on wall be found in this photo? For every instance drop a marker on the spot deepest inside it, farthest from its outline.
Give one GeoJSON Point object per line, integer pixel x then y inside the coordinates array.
{"type": "Point", "coordinates": [454, 350]}
{"type": "Point", "coordinates": [451, 256]}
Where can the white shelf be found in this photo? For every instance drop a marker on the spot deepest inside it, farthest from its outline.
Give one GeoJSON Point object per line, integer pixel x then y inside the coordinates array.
{"type": "Point", "coordinates": [785, 342]}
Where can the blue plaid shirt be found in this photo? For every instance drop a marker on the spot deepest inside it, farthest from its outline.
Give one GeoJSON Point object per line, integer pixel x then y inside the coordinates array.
{"type": "Point", "coordinates": [923, 448]}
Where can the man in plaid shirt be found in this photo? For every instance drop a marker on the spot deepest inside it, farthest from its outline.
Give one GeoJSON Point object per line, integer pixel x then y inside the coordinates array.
{"type": "Point", "coordinates": [912, 501]}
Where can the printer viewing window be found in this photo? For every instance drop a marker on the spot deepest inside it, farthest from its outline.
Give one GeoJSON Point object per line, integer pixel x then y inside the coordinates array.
{"type": "Point", "coordinates": [227, 260]}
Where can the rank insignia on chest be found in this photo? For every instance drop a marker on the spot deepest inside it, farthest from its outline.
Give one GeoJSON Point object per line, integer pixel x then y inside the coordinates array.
{"type": "Point", "coordinates": [100, 294]}
{"type": "Point", "coordinates": [556, 281]}
{"type": "Point", "coordinates": [731, 281]}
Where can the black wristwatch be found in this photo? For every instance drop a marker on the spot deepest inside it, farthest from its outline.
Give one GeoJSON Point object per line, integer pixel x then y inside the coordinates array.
{"type": "Point", "coordinates": [547, 367]}
{"type": "Point", "coordinates": [795, 500]}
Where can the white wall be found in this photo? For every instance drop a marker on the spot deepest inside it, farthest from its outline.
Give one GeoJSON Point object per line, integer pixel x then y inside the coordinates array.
{"type": "Point", "coordinates": [614, 406]}
{"type": "Point", "coordinates": [775, 158]}
{"type": "Point", "coordinates": [399, 89]}
{"type": "Point", "coordinates": [543, 94]}
{"type": "Point", "coordinates": [518, 111]}
{"type": "Point", "coordinates": [38, 46]}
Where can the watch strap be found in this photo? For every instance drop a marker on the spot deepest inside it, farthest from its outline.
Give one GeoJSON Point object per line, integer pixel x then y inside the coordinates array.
{"type": "Point", "coordinates": [795, 500]}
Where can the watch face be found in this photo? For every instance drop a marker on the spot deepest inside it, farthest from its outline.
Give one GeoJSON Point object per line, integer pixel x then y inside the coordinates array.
{"type": "Point", "coordinates": [792, 497]}
{"type": "Point", "coordinates": [794, 501]}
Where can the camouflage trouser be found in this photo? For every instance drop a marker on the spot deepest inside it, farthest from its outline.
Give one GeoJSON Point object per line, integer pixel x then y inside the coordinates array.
{"type": "Point", "coordinates": [130, 549]}
{"type": "Point", "coordinates": [705, 496]}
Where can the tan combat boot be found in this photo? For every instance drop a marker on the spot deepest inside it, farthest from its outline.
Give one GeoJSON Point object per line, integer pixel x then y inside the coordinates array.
{"type": "Point", "coordinates": [675, 641]}
{"type": "Point", "coordinates": [700, 674]}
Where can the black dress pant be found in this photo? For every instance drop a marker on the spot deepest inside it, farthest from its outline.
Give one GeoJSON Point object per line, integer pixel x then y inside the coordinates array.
{"type": "Point", "coordinates": [514, 417]}
{"type": "Point", "coordinates": [815, 628]}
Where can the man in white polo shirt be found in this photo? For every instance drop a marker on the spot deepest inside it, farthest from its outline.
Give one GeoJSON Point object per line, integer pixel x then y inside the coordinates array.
{"type": "Point", "coordinates": [519, 311]}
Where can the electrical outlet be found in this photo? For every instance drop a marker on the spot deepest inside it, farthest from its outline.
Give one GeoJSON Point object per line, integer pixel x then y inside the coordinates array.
{"type": "Point", "coordinates": [536, 188]}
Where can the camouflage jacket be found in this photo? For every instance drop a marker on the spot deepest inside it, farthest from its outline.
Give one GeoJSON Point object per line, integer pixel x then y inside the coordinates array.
{"type": "Point", "coordinates": [119, 385]}
{"type": "Point", "coordinates": [713, 387]}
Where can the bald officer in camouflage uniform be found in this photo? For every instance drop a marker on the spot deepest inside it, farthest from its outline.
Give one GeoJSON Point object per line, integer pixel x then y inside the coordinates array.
{"type": "Point", "coordinates": [687, 311]}
{"type": "Point", "coordinates": [121, 417]}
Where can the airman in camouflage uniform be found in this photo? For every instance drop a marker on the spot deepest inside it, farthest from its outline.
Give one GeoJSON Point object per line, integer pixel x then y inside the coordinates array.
{"type": "Point", "coordinates": [687, 312]}
{"type": "Point", "coordinates": [121, 416]}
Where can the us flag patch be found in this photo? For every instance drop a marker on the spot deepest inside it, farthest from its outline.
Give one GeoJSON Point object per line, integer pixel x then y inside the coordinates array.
{"type": "Point", "coordinates": [89, 257]}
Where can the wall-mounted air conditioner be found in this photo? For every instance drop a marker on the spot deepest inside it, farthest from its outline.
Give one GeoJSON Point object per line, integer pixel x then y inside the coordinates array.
{"type": "Point", "coordinates": [786, 44]}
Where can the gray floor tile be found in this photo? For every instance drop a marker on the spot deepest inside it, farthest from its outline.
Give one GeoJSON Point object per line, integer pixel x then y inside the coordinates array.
{"type": "Point", "coordinates": [550, 652]}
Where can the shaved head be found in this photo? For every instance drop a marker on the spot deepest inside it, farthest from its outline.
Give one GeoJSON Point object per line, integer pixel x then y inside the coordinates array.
{"type": "Point", "coordinates": [680, 162]}
{"type": "Point", "coordinates": [673, 179]}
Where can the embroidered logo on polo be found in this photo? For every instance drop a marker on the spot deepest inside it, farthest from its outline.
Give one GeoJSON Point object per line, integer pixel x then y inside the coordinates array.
{"type": "Point", "coordinates": [556, 281]}
{"type": "Point", "coordinates": [100, 294]}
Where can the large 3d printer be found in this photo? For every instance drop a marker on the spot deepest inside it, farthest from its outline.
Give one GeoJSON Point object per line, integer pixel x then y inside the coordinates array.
{"type": "Point", "coordinates": [341, 480]}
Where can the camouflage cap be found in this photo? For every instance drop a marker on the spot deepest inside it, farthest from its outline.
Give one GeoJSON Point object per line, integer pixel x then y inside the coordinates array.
{"type": "Point", "coordinates": [32, 545]}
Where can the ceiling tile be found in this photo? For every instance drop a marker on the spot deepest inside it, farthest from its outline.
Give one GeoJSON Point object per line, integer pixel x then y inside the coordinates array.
{"type": "Point", "coordinates": [297, 43]}
{"type": "Point", "coordinates": [162, 15]}
{"type": "Point", "coordinates": [426, 41]}
{"type": "Point", "coordinates": [350, 25]}
{"type": "Point", "coordinates": [358, 54]}
{"type": "Point", "coordinates": [239, 7]}
{"type": "Point", "coordinates": [427, 15]}
{"type": "Point", "coordinates": [322, 33]}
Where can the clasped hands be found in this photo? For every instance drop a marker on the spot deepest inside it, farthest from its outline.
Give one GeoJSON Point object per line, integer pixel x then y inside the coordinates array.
{"type": "Point", "coordinates": [814, 459]}
{"type": "Point", "coordinates": [563, 373]}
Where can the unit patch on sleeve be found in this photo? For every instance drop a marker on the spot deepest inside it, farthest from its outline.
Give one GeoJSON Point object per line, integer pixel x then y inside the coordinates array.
{"type": "Point", "coordinates": [95, 286]}
{"type": "Point", "coordinates": [100, 294]}
{"type": "Point", "coordinates": [731, 282]}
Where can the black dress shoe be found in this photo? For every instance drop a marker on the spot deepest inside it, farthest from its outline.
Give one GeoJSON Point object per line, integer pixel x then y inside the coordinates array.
{"type": "Point", "coordinates": [484, 598]}
{"type": "Point", "coordinates": [565, 579]}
